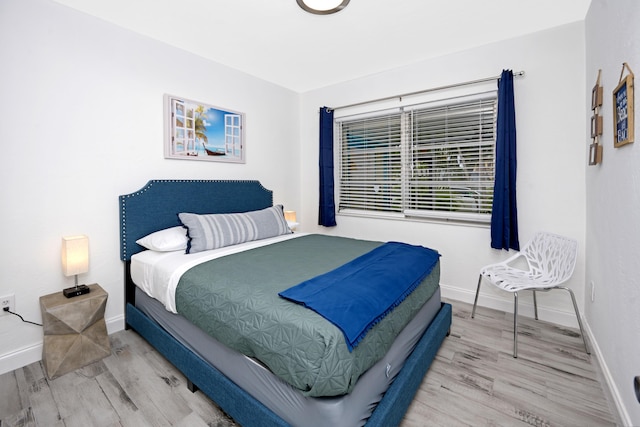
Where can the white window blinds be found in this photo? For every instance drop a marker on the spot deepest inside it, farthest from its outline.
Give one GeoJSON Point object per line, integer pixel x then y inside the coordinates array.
{"type": "Point", "coordinates": [425, 161]}
{"type": "Point", "coordinates": [371, 164]}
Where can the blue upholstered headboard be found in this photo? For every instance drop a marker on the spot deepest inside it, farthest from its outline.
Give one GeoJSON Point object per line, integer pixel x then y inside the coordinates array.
{"type": "Point", "coordinates": [156, 205]}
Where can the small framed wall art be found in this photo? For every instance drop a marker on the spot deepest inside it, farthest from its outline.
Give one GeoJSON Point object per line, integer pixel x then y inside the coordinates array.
{"type": "Point", "coordinates": [595, 154]}
{"type": "Point", "coordinates": [199, 131]}
{"type": "Point", "coordinates": [595, 149]}
{"type": "Point", "coordinates": [596, 94]}
{"type": "Point", "coordinates": [596, 125]}
{"type": "Point", "coordinates": [623, 125]}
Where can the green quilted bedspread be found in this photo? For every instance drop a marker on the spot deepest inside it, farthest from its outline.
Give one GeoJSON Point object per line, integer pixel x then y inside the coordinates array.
{"type": "Point", "coordinates": [235, 300]}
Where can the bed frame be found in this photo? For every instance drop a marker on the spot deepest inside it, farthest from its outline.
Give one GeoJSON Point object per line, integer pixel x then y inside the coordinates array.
{"type": "Point", "coordinates": [155, 207]}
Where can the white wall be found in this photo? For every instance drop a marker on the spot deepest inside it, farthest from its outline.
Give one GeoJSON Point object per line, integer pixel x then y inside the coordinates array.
{"type": "Point", "coordinates": [613, 203]}
{"type": "Point", "coordinates": [82, 122]}
{"type": "Point", "coordinates": [551, 134]}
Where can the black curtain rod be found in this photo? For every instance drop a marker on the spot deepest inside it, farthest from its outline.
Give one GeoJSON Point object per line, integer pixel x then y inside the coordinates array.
{"type": "Point", "coordinates": [471, 82]}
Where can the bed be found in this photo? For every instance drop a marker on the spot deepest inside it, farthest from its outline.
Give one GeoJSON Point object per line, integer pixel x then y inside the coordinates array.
{"type": "Point", "coordinates": [242, 386]}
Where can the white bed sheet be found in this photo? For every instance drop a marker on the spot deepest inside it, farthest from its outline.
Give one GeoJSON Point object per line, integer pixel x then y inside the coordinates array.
{"type": "Point", "coordinates": [158, 273]}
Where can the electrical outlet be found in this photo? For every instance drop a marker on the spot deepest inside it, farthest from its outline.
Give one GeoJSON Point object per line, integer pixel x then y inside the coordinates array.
{"type": "Point", "coordinates": [7, 301]}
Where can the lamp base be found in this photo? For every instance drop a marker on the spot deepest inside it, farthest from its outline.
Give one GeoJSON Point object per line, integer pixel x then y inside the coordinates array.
{"type": "Point", "coordinates": [76, 291]}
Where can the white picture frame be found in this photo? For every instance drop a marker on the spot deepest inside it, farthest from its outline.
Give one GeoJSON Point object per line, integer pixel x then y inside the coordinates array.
{"type": "Point", "coordinates": [199, 131]}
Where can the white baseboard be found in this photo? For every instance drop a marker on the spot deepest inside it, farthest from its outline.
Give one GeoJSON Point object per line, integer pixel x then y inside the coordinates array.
{"type": "Point", "coordinates": [609, 385]}
{"type": "Point", "coordinates": [115, 324]}
{"type": "Point", "coordinates": [21, 357]}
{"type": "Point", "coordinates": [24, 356]}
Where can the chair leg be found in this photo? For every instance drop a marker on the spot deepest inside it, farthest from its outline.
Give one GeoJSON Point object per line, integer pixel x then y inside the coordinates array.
{"type": "Point", "coordinates": [535, 305]}
{"type": "Point", "coordinates": [515, 324]}
{"type": "Point", "coordinates": [475, 302]}
{"type": "Point", "coordinates": [575, 307]}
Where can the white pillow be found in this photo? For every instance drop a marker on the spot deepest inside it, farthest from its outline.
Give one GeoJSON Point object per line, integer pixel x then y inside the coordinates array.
{"type": "Point", "coordinates": [167, 240]}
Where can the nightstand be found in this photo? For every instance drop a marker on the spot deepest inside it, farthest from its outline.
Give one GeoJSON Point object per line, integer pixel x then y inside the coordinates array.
{"type": "Point", "coordinates": [75, 333]}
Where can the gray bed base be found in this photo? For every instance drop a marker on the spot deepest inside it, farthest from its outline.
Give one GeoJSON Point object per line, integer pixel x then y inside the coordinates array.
{"type": "Point", "coordinates": [285, 401]}
{"type": "Point", "coordinates": [155, 207]}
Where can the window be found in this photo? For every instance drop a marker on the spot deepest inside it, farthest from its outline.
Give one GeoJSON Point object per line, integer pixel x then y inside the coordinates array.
{"type": "Point", "coordinates": [434, 161]}
{"type": "Point", "coordinates": [232, 134]}
{"type": "Point", "coordinates": [183, 125]}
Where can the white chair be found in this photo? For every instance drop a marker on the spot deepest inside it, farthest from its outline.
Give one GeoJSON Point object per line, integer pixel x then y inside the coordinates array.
{"type": "Point", "coordinates": [550, 262]}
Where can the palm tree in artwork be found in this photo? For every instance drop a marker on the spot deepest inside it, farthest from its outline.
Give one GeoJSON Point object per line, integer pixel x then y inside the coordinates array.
{"type": "Point", "coordinates": [200, 127]}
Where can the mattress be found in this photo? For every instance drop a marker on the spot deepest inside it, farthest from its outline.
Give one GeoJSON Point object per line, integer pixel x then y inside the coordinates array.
{"type": "Point", "coordinates": [235, 300]}
{"type": "Point", "coordinates": [284, 400]}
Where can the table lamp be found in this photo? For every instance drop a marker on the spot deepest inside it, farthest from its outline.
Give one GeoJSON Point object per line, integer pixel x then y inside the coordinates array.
{"type": "Point", "coordinates": [75, 260]}
{"type": "Point", "coordinates": [290, 217]}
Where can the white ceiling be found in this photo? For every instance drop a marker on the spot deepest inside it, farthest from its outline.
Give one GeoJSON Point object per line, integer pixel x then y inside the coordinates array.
{"type": "Point", "coordinates": [277, 41]}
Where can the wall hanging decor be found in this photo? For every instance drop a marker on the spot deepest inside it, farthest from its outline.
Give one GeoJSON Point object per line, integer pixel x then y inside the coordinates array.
{"type": "Point", "coordinates": [198, 131]}
{"type": "Point", "coordinates": [595, 154]}
{"type": "Point", "coordinates": [596, 94]}
{"type": "Point", "coordinates": [623, 109]}
{"type": "Point", "coordinates": [596, 125]}
{"type": "Point", "coordinates": [595, 149]}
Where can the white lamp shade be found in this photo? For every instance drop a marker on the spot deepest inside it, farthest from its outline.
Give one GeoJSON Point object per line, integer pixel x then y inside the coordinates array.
{"type": "Point", "coordinates": [290, 216]}
{"type": "Point", "coordinates": [75, 255]}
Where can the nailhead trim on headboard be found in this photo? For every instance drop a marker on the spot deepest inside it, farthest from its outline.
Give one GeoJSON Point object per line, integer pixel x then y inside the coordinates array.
{"type": "Point", "coordinates": [161, 215]}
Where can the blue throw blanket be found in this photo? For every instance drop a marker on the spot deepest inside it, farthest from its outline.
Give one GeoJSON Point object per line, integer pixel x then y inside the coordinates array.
{"type": "Point", "coordinates": [357, 295]}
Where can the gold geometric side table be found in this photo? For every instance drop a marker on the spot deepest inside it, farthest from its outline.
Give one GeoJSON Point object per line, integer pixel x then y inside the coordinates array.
{"type": "Point", "coordinates": [75, 333]}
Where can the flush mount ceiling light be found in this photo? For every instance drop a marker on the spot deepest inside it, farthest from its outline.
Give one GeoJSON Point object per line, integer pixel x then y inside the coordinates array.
{"type": "Point", "coordinates": [323, 7]}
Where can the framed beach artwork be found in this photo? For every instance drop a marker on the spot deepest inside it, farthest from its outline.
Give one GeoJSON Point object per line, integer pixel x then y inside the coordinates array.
{"type": "Point", "coordinates": [198, 131]}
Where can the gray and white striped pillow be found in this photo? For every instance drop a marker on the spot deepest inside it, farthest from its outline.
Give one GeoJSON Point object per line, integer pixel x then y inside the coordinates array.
{"type": "Point", "coordinates": [214, 231]}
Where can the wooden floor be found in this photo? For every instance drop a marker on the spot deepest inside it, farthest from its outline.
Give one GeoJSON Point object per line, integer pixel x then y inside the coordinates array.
{"type": "Point", "coordinates": [474, 381]}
